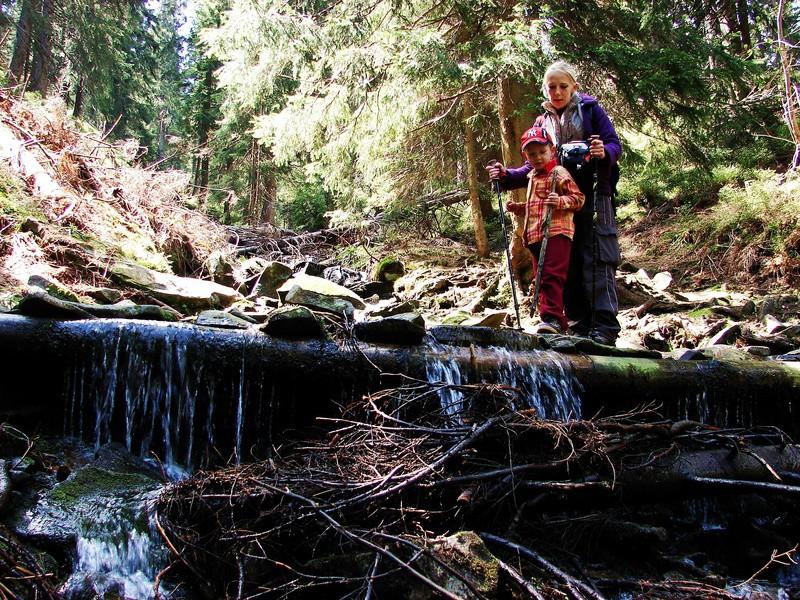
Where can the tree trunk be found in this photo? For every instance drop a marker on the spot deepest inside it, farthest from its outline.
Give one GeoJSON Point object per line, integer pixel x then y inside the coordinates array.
{"type": "Point", "coordinates": [269, 194]}
{"type": "Point", "coordinates": [162, 134]}
{"type": "Point", "coordinates": [791, 91]}
{"type": "Point", "coordinates": [513, 123]}
{"type": "Point", "coordinates": [253, 203]}
{"type": "Point", "coordinates": [42, 56]}
{"type": "Point", "coordinates": [22, 42]}
{"type": "Point", "coordinates": [729, 16]}
{"type": "Point", "coordinates": [77, 109]}
{"type": "Point", "coordinates": [201, 172]}
{"type": "Point", "coordinates": [226, 208]}
{"type": "Point", "coordinates": [203, 134]}
{"type": "Point", "coordinates": [481, 241]}
{"type": "Point", "coordinates": [743, 22]}
{"type": "Point", "coordinates": [203, 180]}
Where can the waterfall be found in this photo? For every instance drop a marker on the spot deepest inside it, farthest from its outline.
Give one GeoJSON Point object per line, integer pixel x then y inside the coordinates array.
{"type": "Point", "coordinates": [549, 388]}
{"type": "Point", "coordinates": [178, 396]}
{"type": "Point", "coordinates": [155, 393]}
{"type": "Point", "coordinates": [118, 552]}
{"type": "Point", "coordinates": [446, 374]}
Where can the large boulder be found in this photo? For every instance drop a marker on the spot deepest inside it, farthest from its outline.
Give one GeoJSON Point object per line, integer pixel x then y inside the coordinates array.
{"type": "Point", "coordinates": [274, 275]}
{"type": "Point", "coordinates": [38, 303]}
{"type": "Point", "coordinates": [406, 329]}
{"type": "Point", "coordinates": [183, 293]}
{"type": "Point", "coordinates": [294, 322]}
{"type": "Point", "coordinates": [320, 294]}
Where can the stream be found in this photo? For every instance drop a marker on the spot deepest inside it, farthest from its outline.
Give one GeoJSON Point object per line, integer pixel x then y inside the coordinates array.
{"type": "Point", "coordinates": [154, 403]}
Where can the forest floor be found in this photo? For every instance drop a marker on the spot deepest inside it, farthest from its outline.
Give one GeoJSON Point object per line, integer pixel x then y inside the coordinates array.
{"type": "Point", "coordinates": [93, 205]}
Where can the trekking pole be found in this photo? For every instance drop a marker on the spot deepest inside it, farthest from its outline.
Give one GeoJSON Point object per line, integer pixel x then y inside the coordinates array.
{"type": "Point", "coordinates": [496, 183]}
{"type": "Point", "coordinates": [595, 241]}
{"type": "Point", "coordinates": [548, 212]}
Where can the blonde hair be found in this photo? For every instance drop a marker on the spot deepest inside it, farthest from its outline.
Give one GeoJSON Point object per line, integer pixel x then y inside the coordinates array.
{"type": "Point", "coordinates": [560, 66]}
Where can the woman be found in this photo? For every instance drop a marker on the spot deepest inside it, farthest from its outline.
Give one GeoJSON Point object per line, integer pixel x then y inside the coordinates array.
{"type": "Point", "coordinates": [590, 294]}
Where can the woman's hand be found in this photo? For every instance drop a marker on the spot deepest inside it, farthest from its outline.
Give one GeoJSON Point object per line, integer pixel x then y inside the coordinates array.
{"type": "Point", "coordinates": [496, 170]}
{"type": "Point", "coordinates": [596, 149]}
{"type": "Point", "coordinates": [515, 207]}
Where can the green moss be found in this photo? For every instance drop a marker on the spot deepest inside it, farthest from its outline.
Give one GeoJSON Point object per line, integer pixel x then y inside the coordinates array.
{"type": "Point", "coordinates": [467, 552]}
{"type": "Point", "coordinates": [15, 202]}
{"type": "Point", "coordinates": [9, 301]}
{"type": "Point", "coordinates": [92, 481]}
{"type": "Point", "coordinates": [642, 367]}
{"type": "Point", "coordinates": [388, 269]}
{"type": "Point", "coordinates": [456, 318]}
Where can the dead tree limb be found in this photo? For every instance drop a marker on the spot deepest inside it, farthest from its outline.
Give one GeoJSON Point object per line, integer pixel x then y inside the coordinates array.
{"type": "Point", "coordinates": [711, 484]}
{"type": "Point", "coordinates": [367, 543]}
{"type": "Point", "coordinates": [521, 582]}
{"type": "Point", "coordinates": [579, 588]}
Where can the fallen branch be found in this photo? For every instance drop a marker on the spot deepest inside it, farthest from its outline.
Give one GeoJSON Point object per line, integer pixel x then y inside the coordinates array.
{"type": "Point", "coordinates": [578, 588]}
{"type": "Point", "coordinates": [710, 483]}
{"type": "Point", "coordinates": [200, 581]}
{"type": "Point", "coordinates": [786, 559]}
{"type": "Point", "coordinates": [517, 578]}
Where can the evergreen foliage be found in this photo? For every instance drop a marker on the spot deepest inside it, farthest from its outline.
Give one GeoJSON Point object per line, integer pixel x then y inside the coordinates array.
{"type": "Point", "coordinates": [367, 96]}
{"type": "Point", "coordinates": [362, 103]}
{"type": "Point", "coordinates": [116, 63]}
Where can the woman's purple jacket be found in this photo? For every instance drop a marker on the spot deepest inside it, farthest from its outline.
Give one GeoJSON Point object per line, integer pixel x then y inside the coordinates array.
{"type": "Point", "coordinates": [595, 122]}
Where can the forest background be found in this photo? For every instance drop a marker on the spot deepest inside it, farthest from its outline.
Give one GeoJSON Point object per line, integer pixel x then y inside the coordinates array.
{"type": "Point", "coordinates": [306, 114]}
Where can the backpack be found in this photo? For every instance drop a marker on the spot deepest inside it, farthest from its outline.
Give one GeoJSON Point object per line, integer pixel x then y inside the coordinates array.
{"type": "Point", "coordinates": [577, 154]}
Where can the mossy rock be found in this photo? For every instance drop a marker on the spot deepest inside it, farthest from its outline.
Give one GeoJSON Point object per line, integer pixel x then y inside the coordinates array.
{"type": "Point", "coordinates": [388, 269]}
{"type": "Point", "coordinates": [93, 481]}
{"type": "Point", "coordinates": [53, 288]}
{"type": "Point", "coordinates": [456, 318]}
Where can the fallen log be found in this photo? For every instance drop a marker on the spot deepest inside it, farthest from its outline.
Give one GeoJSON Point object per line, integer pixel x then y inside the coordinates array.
{"type": "Point", "coordinates": [308, 379]}
{"type": "Point", "coordinates": [687, 474]}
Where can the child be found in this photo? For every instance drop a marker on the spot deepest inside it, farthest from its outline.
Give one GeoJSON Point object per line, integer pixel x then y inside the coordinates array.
{"type": "Point", "coordinates": [552, 190]}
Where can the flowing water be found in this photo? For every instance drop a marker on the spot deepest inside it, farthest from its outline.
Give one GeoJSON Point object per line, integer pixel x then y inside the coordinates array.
{"type": "Point", "coordinates": [152, 393]}
{"type": "Point", "coordinates": [158, 398]}
{"type": "Point", "coordinates": [549, 387]}
{"type": "Point", "coordinates": [118, 553]}
{"type": "Point", "coordinates": [177, 396]}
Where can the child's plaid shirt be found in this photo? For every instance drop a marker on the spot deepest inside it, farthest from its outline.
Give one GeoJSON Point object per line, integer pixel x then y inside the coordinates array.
{"type": "Point", "coordinates": [570, 200]}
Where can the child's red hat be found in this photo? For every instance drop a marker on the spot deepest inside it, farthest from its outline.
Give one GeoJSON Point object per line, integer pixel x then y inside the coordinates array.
{"type": "Point", "coordinates": [535, 135]}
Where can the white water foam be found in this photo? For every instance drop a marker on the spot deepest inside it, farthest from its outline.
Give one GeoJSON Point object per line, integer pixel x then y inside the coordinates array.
{"type": "Point", "coordinates": [117, 554]}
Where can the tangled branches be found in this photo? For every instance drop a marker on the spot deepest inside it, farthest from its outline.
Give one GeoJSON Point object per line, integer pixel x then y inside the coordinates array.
{"type": "Point", "coordinates": [20, 574]}
{"type": "Point", "coordinates": [368, 507]}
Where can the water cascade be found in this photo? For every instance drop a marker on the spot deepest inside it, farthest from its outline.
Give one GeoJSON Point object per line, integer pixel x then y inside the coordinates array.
{"type": "Point", "coordinates": [549, 387]}
{"type": "Point", "coordinates": [119, 551]}
{"type": "Point", "coordinates": [194, 398]}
